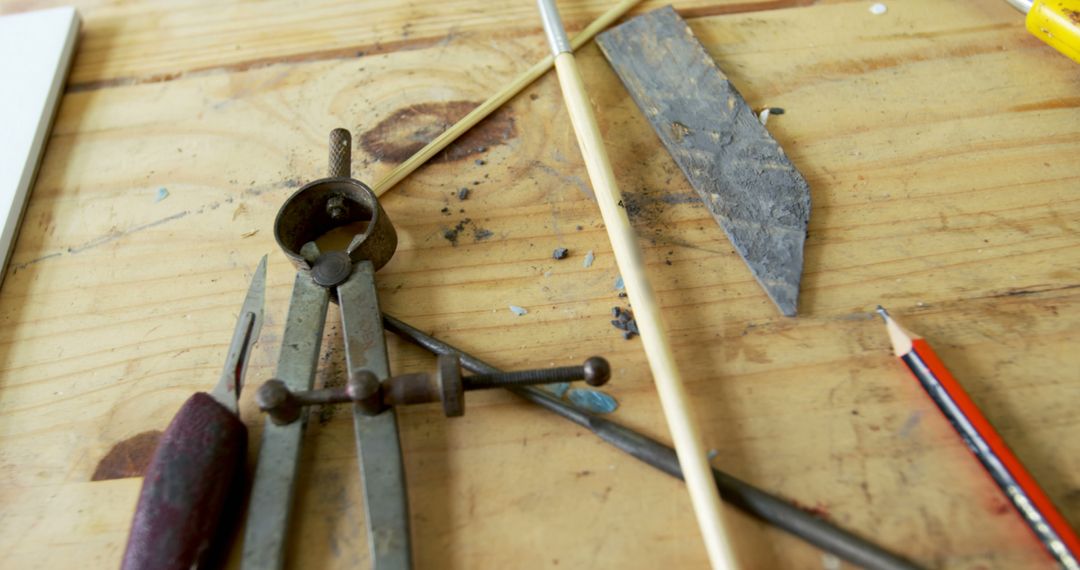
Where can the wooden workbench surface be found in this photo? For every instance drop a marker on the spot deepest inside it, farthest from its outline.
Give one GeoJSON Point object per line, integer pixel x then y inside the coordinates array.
{"type": "Point", "coordinates": [940, 142]}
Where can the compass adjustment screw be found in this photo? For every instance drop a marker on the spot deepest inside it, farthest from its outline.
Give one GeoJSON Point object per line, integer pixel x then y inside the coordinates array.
{"type": "Point", "coordinates": [595, 372]}
{"type": "Point", "coordinates": [445, 385]}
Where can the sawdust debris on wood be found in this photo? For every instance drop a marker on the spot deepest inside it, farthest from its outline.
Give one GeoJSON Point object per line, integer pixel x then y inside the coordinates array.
{"type": "Point", "coordinates": [451, 234]}
{"type": "Point", "coordinates": [624, 321]}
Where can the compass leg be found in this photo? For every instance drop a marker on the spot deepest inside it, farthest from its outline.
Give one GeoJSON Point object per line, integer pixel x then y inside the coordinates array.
{"type": "Point", "coordinates": [379, 449]}
{"type": "Point", "coordinates": [279, 454]}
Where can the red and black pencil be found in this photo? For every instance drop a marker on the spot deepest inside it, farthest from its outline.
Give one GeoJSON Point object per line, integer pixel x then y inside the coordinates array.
{"type": "Point", "coordinates": [1019, 486]}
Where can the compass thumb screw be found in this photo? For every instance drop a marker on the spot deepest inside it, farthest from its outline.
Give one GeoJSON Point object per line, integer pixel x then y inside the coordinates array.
{"type": "Point", "coordinates": [340, 154]}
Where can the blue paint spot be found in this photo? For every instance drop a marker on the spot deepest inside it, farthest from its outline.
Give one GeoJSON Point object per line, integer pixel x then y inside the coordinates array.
{"type": "Point", "coordinates": [518, 310]}
{"type": "Point", "coordinates": [162, 193]}
{"type": "Point", "coordinates": [559, 388]}
{"type": "Point", "coordinates": [619, 283]}
{"type": "Point", "coordinates": [593, 401]}
{"type": "Point", "coordinates": [589, 257]}
{"type": "Point", "coordinates": [910, 423]}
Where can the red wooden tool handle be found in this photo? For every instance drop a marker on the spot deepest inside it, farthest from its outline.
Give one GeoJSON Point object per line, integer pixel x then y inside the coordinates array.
{"type": "Point", "coordinates": [200, 456]}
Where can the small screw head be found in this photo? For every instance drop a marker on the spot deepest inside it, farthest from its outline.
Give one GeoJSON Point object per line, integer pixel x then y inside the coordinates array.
{"type": "Point", "coordinates": [335, 206]}
{"type": "Point", "coordinates": [331, 269]}
{"type": "Point", "coordinates": [597, 371]}
{"type": "Point", "coordinates": [274, 398]}
{"type": "Point", "coordinates": [363, 388]}
{"type": "Point", "coordinates": [361, 385]}
{"type": "Point", "coordinates": [271, 394]}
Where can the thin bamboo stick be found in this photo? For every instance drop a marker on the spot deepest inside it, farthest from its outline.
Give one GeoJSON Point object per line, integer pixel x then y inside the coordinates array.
{"type": "Point", "coordinates": [495, 101]}
{"type": "Point", "coordinates": [669, 384]}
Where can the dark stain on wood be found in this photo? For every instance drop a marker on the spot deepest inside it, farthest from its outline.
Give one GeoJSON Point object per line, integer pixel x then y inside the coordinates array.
{"type": "Point", "coordinates": [739, 171]}
{"type": "Point", "coordinates": [855, 65]}
{"type": "Point", "coordinates": [645, 208]}
{"type": "Point", "coordinates": [407, 130]}
{"type": "Point", "coordinates": [1072, 505]}
{"type": "Point", "coordinates": [128, 458]}
{"type": "Point", "coordinates": [739, 7]}
{"type": "Point", "coordinates": [331, 374]}
{"type": "Point", "coordinates": [1061, 103]}
{"type": "Point", "coordinates": [78, 85]}
{"type": "Point", "coordinates": [819, 510]}
{"type": "Point", "coordinates": [1000, 506]}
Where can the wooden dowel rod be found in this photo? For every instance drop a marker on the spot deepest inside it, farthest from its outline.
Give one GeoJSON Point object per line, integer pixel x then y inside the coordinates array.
{"type": "Point", "coordinates": [495, 101]}
{"type": "Point", "coordinates": [669, 384]}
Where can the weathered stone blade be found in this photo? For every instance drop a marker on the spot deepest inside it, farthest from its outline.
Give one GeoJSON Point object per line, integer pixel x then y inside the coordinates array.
{"type": "Point", "coordinates": [748, 184]}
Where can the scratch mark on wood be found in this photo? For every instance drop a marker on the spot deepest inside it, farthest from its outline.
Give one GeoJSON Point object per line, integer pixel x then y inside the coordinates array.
{"type": "Point", "coordinates": [115, 235]}
{"type": "Point", "coordinates": [26, 264]}
{"type": "Point", "coordinates": [569, 178]}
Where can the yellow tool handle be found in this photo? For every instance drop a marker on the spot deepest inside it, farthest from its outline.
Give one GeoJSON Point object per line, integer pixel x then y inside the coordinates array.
{"type": "Point", "coordinates": [1057, 22]}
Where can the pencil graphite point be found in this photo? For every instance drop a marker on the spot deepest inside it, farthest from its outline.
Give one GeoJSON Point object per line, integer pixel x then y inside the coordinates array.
{"type": "Point", "coordinates": [900, 338]}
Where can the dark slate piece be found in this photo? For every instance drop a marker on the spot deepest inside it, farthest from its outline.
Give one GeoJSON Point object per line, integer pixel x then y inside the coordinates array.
{"type": "Point", "coordinates": [747, 183]}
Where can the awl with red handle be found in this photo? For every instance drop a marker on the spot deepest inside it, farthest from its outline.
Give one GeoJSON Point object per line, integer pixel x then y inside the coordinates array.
{"type": "Point", "coordinates": [198, 462]}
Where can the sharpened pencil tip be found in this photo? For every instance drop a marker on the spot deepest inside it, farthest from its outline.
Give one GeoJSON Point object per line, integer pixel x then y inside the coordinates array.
{"type": "Point", "coordinates": [900, 338]}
